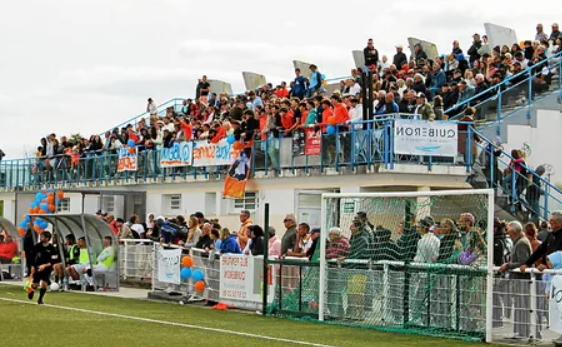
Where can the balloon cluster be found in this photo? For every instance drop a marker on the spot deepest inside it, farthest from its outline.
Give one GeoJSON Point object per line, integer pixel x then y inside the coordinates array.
{"type": "Point", "coordinates": [197, 275]}
{"type": "Point", "coordinates": [131, 144]}
{"type": "Point", "coordinates": [45, 202]}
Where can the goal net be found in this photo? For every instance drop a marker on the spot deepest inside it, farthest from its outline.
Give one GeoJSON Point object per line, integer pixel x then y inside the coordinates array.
{"type": "Point", "coordinates": [407, 262]}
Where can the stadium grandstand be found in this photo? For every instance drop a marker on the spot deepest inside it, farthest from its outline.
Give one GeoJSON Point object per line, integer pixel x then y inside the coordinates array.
{"type": "Point", "coordinates": [395, 201]}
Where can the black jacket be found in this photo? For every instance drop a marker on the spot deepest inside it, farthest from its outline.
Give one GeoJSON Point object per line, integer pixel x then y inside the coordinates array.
{"type": "Point", "coordinates": [473, 51]}
{"type": "Point", "coordinates": [399, 60]}
{"type": "Point", "coordinates": [257, 247]}
{"type": "Point", "coordinates": [552, 244]}
{"type": "Point", "coordinates": [371, 58]}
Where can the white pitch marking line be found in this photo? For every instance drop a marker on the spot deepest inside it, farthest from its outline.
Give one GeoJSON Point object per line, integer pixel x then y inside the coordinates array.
{"type": "Point", "coordinates": [188, 326]}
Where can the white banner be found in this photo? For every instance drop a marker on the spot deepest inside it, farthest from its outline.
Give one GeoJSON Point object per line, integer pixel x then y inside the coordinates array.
{"type": "Point", "coordinates": [418, 137]}
{"type": "Point", "coordinates": [169, 265]}
{"type": "Point", "coordinates": [241, 279]}
{"type": "Point", "coordinates": [555, 305]}
{"type": "Point", "coordinates": [211, 154]}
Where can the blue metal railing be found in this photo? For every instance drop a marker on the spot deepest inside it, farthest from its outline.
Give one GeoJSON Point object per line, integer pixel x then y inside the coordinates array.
{"type": "Point", "coordinates": [176, 102]}
{"type": "Point", "coordinates": [362, 144]}
{"type": "Point", "coordinates": [521, 84]}
{"type": "Point", "coordinates": [529, 192]}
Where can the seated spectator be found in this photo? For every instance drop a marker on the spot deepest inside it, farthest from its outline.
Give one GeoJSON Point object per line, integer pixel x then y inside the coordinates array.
{"type": "Point", "coordinates": [303, 242]}
{"type": "Point", "coordinates": [8, 249]}
{"type": "Point", "coordinates": [423, 110]}
{"type": "Point", "coordinates": [205, 240]}
{"type": "Point", "coordinates": [105, 261]}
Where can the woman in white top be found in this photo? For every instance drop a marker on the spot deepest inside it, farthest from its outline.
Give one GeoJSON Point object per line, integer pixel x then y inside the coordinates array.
{"type": "Point", "coordinates": [428, 245]}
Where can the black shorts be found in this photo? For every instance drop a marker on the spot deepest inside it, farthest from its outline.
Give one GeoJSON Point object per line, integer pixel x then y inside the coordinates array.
{"type": "Point", "coordinates": [44, 276]}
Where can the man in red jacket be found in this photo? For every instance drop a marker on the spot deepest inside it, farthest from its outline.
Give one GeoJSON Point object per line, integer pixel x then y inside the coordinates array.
{"type": "Point", "coordinates": [342, 120]}
{"type": "Point", "coordinates": [8, 250]}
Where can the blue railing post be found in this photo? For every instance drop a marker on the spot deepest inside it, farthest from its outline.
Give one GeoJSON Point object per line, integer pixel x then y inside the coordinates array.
{"type": "Point", "coordinates": [546, 195]}
{"type": "Point", "coordinates": [530, 95]}
{"type": "Point", "coordinates": [352, 141]}
{"type": "Point", "coordinates": [338, 149]}
{"type": "Point", "coordinates": [492, 156]}
{"type": "Point", "coordinates": [253, 168]}
{"type": "Point", "coordinates": [513, 185]}
{"type": "Point", "coordinates": [499, 113]}
{"type": "Point", "coordinates": [468, 152]}
{"type": "Point", "coordinates": [391, 127]}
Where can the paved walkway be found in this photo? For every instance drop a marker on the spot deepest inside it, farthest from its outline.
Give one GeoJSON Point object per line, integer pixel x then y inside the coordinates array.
{"type": "Point", "coordinates": [128, 293]}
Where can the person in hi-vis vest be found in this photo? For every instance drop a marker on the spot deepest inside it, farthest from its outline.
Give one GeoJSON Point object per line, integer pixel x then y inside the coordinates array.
{"type": "Point", "coordinates": [105, 260]}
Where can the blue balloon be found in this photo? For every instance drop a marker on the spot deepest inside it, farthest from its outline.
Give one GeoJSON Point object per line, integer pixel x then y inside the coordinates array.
{"type": "Point", "coordinates": [39, 196]}
{"type": "Point", "coordinates": [38, 220]}
{"type": "Point", "coordinates": [185, 273]}
{"type": "Point", "coordinates": [44, 207]}
{"type": "Point", "coordinates": [44, 225]}
{"type": "Point", "coordinates": [331, 130]}
{"type": "Point", "coordinates": [131, 143]}
{"type": "Point", "coordinates": [198, 275]}
{"type": "Point", "coordinates": [34, 204]}
{"type": "Point", "coordinates": [23, 224]}
{"type": "Point", "coordinates": [231, 139]}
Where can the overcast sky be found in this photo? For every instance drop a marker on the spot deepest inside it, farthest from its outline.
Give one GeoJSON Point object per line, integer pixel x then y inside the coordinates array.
{"type": "Point", "coordinates": [70, 66]}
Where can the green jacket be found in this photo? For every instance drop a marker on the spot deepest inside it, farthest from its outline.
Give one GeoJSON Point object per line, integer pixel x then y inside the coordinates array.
{"type": "Point", "coordinates": [426, 112]}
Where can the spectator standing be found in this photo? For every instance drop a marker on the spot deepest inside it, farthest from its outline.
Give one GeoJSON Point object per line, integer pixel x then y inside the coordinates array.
{"type": "Point", "coordinates": [438, 79]}
{"type": "Point", "coordinates": [205, 240]}
{"type": "Point", "coordinates": [485, 49]}
{"type": "Point", "coordinates": [203, 90]}
{"type": "Point", "coordinates": [243, 233]}
{"type": "Point", "coordinates": [300, 85]}
{"type": "Point", "coordinates": [151, 108]}
{"type": "Point", "coordinates": [193, 232]}
{"type": "Point", "coordinates": [216, 238]}
{"type": "Point", "coordinates": [257, 236]}
{"type": "Point", "coordinates": [315, 81]}
{"type": "Point", "coordinates": [289, 240]}
{"type": "Point", "coordinates": [556, 33]}
{"type": "Point", "coordinates": [230, 243]}
{"type": "Point", "coordinates": [419, 54]}
{"type": "Point", "coordinates": [473, 50]}
{"type": "Point", "coordinates": [274, 243]}
{"type": "Point", "coordinates": [400, 59]}
{"type": "Point", "coordinates": [338, 246]}
{"type": "Point", "coordinates": [371, 55]}
{"type": "Point", "coordinates": [519, 281]}
{"type": "Point", "coordinates": [428, 245]}
{"type": "Point", "coordinates": [540, 35]}
{"type": "Point", "coordinates": [544, 231]}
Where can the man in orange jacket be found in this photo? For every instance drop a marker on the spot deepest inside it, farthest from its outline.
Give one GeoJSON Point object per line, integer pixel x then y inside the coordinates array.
{"type": "Point", "coordinates": [342, 119]}
{"type": "Point", "coordinates": [243, 234]}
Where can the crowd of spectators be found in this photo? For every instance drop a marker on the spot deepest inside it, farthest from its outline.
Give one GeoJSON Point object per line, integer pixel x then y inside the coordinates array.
{"type": "Point", "coordinates": [422, 86]}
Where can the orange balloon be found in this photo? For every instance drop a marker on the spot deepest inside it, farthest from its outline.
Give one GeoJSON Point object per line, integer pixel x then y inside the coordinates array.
{"type": "Point", "coordinates": [50, 199]}
{"type": "Point", "coordinates": [52, 208]}
{"type": "Point", "coordinates": [60, 194]}
{"type": "Point", "coordinates": [37, 228]}
{"type": "Point", "coordinates": [37, 209]}
{"type": "Point", "coordinates": [332, 120]}
{"type": "Point", "coordinates": [21, 231]}
{"type": "Point", "coordinates": [132, 150]}
{"type": "Point", "coordinates": [41, 212]}
{"type": "Point", "coordinates": [187, 261]}
{"type": "Point", "coordinates": [23, 217]}
{"type": "Point", "coordinates": [31, 211]}
{"type": "Point", "coordinates": [238, 146]}
{"type": "Point", "coordinates": [200, 286]}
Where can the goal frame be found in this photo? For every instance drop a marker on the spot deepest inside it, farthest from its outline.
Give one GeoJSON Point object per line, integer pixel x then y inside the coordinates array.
{"type": "Point", "coordinates": [490, 242]}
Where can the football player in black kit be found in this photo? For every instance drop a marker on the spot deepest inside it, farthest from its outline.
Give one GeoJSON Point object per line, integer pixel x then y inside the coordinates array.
{"type": "Point", "coordinates": [45, 255]}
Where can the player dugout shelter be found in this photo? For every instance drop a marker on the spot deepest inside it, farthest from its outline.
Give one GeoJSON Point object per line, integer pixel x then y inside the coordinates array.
{"type": "Point", "coordinates": [8, 228]}
{"type": "Point", "coordinates": [94, 231]}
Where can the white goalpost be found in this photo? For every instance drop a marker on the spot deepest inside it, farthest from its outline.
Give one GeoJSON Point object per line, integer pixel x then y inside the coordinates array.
{"type": "Point", "coordinates": [414, 262]}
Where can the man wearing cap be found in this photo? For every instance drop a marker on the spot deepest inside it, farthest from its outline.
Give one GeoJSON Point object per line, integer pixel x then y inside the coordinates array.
{"type": "Point", "coordinates": [423, 110]}
{"type": "Point", "coordinates": [419, 54]}
{"type": "Point", "coordinates": [465, 92]}
{"type": "Point", "coordinates": [449, 97]}
{"type": "Point", "coordinates": [473, 50]}
{"type": "Point", "coordinates": [400, 59]}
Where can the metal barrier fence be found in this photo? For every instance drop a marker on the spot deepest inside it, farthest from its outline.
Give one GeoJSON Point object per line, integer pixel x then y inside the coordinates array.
{"type": "Point", "coordinates": [136, 259]}
{"type": "Point", "coordinates": [367, 144]}
{"type": "Point", "coordinates": [444, 298]}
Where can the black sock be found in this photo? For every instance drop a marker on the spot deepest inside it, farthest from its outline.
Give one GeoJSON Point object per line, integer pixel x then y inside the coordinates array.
{"type": "Point", "coordinates": [42, 293]}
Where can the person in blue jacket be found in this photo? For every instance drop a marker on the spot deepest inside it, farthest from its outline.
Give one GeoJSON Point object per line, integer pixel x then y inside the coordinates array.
{"type": "Point", "coordinates": [231, 245]}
